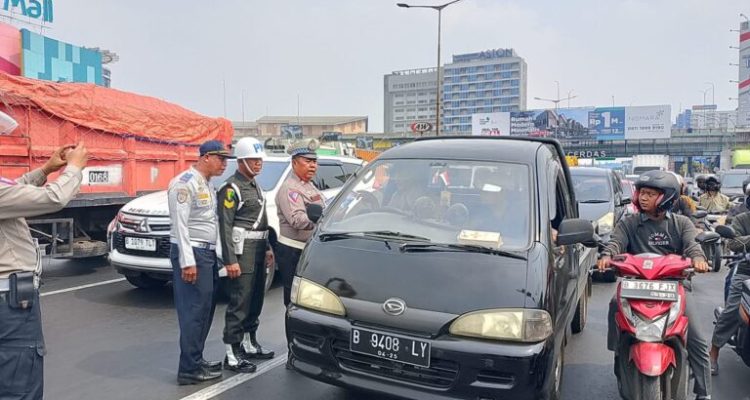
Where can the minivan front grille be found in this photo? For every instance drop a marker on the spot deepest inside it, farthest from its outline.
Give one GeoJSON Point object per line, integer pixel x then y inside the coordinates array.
{"type": "Point", "coordinates": [440, 374]}
{"type": "Point", "coordinates": [162, 245]}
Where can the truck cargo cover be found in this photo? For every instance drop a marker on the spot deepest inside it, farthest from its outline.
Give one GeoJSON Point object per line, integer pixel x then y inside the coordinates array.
{"type": "Point", "coordinates": [114, 111]}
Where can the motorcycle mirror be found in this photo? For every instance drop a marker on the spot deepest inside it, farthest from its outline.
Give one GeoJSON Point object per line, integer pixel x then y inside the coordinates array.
{"type": "Point", "coordinates": [700, 214]}
{"type": "Point", "coordinates": [726, 231]}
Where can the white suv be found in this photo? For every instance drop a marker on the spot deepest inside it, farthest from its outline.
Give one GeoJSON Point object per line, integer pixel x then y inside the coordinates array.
{"type": "Point", "coordinates": [139, 236]}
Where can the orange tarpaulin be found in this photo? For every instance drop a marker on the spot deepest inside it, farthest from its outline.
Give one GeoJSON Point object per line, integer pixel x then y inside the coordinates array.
{"type": "Point", "coordinates": [115, 111]}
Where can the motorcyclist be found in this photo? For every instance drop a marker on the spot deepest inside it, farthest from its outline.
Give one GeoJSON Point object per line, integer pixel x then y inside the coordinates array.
{"type": "Point", "coordinates": [700, 182]}
{"type": "Point", "coordinates": [742, 207]}
{"type": "Point", "coordinates": [684, 205]}
{"type": "Point", "coordinates": [713, 200]}
{"type": "Point", "coordinates": [729, 319]}
{"type": "Point", "coordinates": [655, 230]}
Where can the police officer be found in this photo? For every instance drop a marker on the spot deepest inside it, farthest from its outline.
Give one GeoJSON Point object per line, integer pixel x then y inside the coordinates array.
{"type": "Point", "coordinates": [21, 339]}
{"type": "Point", "coordinates": [193, 233]}
{"type": "Point", "coordinates": [243, 231]}
{"type": "Point", "coordinates": [293, 196]}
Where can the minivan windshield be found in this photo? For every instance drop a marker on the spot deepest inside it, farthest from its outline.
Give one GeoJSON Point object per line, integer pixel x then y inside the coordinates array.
{"type": "Point", "coordinates": [268, 178]}
{"type": "Point", "coordinates": [591, 188]}
{"type": "Point", "coordinates": [733, 180]}
{"type": "Point", "coordinates": [437, 201]}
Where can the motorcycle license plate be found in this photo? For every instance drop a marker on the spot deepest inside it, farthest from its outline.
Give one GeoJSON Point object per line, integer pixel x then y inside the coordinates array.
{"type": "Point", "coordinates": [391, 347]}
{"type": "Point", "coordinates": [648, 290]}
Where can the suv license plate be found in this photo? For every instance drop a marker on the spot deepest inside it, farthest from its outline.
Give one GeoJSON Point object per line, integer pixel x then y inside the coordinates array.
{"type": "Point", "coordinates": [391, 347]}
{"type": "Point", "coordinates": [144, 244]}
{"type": "Point", "coordinates": [649, 290]}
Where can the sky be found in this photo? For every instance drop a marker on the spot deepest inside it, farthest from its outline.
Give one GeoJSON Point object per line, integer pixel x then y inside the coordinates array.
{"type": "Point", "coordinates": [332, 55]}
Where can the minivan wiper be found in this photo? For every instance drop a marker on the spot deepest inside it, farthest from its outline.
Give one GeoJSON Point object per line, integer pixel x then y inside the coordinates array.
{"type": "Point", "coordinates": [391, 234]}
{"type": "Point", "coordinates": [409, 247]}
{"type": "Point", "coordinates": [593, 201]}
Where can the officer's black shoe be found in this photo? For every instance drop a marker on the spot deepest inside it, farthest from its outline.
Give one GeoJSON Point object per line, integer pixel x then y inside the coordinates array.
{"type": "Point", "coordinates": [199, 376]}
{"type": "Point", "coordinates": [255, 350]}
{"type": "Point", "coordinates": [213, 366]}
{"type": "Point", "coordinates": [241, 366]}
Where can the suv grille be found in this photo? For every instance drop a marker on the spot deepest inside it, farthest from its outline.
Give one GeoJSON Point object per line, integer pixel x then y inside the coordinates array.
{"type": "Point", "coordinates": [440, 374]}
{"type": "Point", "coordinates": [162, 245]}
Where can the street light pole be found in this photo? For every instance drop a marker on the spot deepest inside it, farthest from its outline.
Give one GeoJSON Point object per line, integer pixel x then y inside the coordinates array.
{"type": "Point", "coordinates": [439, 9]}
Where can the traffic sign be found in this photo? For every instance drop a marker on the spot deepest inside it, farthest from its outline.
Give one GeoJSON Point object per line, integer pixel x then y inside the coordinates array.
{"type": "Point", "coordinates": [421, 127]}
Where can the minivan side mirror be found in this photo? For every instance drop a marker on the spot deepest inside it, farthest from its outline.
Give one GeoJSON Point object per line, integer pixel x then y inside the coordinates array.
{"type": "Point", "coordinates": [625, 201]}
{"type": "Point", "coordinates": [314, 212]}
{"type": "Point", "coordinates": [575, 230]}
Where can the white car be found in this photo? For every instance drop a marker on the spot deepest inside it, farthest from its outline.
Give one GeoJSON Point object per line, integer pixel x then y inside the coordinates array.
{"type": "Point", "coordinates": [138, 237]}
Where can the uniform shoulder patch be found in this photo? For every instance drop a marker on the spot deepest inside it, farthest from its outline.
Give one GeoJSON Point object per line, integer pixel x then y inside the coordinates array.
{"type": "Point", "coordinates": [294, 195]}
{"type": "Point", "coordinates": [182, 195]}
{"type": "Point", "coordinates": [185, 178]}
{"type": "Point", "coordinates": [229, 200]}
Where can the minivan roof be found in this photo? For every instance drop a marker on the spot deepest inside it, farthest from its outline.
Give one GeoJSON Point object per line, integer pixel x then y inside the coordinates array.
{"type": "Point", "coordinates": [469, 148]}
{"type": "Point", "coordinates": [590, 171]}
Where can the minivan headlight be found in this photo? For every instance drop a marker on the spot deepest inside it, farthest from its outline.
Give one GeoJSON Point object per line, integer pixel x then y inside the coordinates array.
{"type": "Point", "coordinates": [606, 223]}
{"type": "Point", "coordinates": [308, 294]}
{"type": "Point", "coordinates": [518, 325]}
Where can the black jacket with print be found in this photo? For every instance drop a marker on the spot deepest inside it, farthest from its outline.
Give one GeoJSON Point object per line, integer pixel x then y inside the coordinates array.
{"type": "Point", "coordinates": [636, 234]}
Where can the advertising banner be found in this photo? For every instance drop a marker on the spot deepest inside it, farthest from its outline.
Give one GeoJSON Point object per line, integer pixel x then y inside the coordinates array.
{"type": "Point", "coordinates": [605, 123]}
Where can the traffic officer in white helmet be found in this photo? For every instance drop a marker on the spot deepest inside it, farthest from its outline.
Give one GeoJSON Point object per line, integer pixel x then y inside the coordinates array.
{"type": "Point", "coordinates": [243, 232]}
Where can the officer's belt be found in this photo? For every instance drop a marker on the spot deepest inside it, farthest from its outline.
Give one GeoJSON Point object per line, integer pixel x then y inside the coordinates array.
{"type": "Point", "coordinates": [291, 242]}
{"type": "Point", "coordinates": [203, 245]}
{"type": "Point", "coordinates": [257, 235]}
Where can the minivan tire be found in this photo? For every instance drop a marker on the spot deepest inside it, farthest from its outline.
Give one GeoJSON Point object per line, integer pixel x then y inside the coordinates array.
{"type": "Point", "coordinates": [270, 276]}
{"type": "Point", "coordinates": [557, 375]}
{"type": "Point", "coordinates": [145, 282]}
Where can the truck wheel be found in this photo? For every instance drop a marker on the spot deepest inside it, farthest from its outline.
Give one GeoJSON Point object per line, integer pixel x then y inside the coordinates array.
{"type": "Point", "coordinates": [579, 319]}
{"type": "Point", "coordinates": [145, 282]}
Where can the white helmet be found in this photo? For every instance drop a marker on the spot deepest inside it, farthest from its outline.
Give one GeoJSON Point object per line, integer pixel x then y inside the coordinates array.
{"type": "Point", "coordinates": [248, 147]}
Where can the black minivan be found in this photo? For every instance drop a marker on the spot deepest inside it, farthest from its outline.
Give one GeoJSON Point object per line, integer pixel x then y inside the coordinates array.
{"type": "Point", "coordinates": [446, 268]}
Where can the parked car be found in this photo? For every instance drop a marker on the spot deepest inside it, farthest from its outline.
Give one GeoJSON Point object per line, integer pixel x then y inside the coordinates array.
{"type": "Point", "coordinates": [628, 191]}
{"type": "Point", "coordinates": [436, 273]}
{"type": "Point", "coordinates": [601, 201]}
{"type": "Point", "coordinates": [138, 238]}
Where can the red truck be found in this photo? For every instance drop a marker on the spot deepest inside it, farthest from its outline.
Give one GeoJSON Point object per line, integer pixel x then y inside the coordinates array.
{"type": "Point", "coordinates": [136, 144]}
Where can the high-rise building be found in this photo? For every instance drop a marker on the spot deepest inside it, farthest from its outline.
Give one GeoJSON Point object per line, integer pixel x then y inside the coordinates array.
{"type": "Point", "coordinates": [409, 97]}
{"type": "Point", "coordinates": [483, 82]}
{"type": "Point", "coordinates": [706, 117]}
{"type": "Point", "coordinates": [743, 109]}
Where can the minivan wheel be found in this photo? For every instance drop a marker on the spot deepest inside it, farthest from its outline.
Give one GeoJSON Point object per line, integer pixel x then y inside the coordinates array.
{"type": "Point", "coordinates": [579, 319]}
{"type": "Point", "coordinates": [269, 277]}
{"type": "Point", "coordinates": [145, 282]}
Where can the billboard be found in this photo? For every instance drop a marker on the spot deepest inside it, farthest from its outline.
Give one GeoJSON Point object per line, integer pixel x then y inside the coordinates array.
{"type": "Point", "coordinates": [604, 123]}
{"type": "Point", "coordinates": [490, 124]}
{"type": "Point", "coordinates": [52, 60]}
{"type": "Point", "coordinates": [743, 109]}
{"type": "Point", "coordinates": [10, 49]}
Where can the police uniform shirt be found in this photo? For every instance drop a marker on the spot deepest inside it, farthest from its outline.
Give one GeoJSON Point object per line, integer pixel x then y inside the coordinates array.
{"type": "Point", "coordinates": [637, 234]}
{"type": "Point", "coordinates": [291, 199]}
{"type": "Point", "coordinates": [26, 197]}
{"type": "Point", "coordinates": [239, 210]}
{"type": "Point", "coordinates": [192, 213]}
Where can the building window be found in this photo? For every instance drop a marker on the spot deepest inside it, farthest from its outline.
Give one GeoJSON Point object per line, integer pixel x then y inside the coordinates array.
{"type": "Point", "coordinates": [399, 95]}
{"type": "Point", "coordinates": [399, 103]}
{"type": "Point", "coordinates": [398, 119]}
{"type": "Point", "coordinates": [411, 102]}
{"type": "Point", "coordinates": [398, 110]}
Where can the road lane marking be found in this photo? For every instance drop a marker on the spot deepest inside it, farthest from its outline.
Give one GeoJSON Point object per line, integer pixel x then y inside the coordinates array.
{"type": "Point", "coordinates": [90, 285]}
{"type": "Point", "coordinates": [221, 387]}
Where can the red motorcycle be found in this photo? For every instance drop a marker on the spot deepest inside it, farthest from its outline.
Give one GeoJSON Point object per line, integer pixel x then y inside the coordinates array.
{"type": "Point", "coordinates": [651, 354]}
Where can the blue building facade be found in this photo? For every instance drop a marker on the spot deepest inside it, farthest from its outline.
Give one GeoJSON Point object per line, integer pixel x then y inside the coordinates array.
{"type": "Point", "coordinates": [482, 82]}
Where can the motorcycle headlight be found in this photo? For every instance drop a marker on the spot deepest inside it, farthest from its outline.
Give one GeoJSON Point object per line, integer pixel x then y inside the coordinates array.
{"type": "Point", "coordinates": [650, 331]}
{"type": "Point", "coordinates": [606, 223]}
{"type": "Point", "coordinates": [308, 294]}
{"type": "Point", "coordinates": [518, 325]}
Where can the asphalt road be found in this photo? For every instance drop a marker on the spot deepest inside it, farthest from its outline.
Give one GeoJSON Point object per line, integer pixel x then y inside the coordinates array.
{"type": "Point", "coordinates": [106, 339]}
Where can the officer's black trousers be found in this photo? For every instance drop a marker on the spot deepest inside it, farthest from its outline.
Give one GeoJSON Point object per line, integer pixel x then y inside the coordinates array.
{"type": "Point", "coordinates": [195, 304]}
{"type": "Point", "coordinates": [287, 258]}
{"type": "Point", "coordinates": [21, 351]}
{"type": "Point", "coordinates": [246, 293]}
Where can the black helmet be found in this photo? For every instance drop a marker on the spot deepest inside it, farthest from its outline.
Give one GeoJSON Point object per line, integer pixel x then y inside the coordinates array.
{"type": "Point", "coordinates": [662, 181]}
{"type": "Point", "coordinates": [713, 184]}
{"type": "Point", "coordinates": [746, 187]}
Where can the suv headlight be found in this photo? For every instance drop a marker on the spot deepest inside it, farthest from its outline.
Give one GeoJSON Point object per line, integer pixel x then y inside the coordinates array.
{"type": "Point", "coordinates": [518, 325]}
{"type": "Point", "coordinates": [308, 294]}
{"type": "Point", "coordinates": [606, 223]}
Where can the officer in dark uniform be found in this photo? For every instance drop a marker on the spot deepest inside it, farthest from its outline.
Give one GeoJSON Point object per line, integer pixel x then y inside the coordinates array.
{"type": "Point", "coordinates": [243, 231]}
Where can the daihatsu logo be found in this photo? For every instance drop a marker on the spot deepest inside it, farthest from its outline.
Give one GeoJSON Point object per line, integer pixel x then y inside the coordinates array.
{"type": "Point", "coordinates": [394, 306]}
